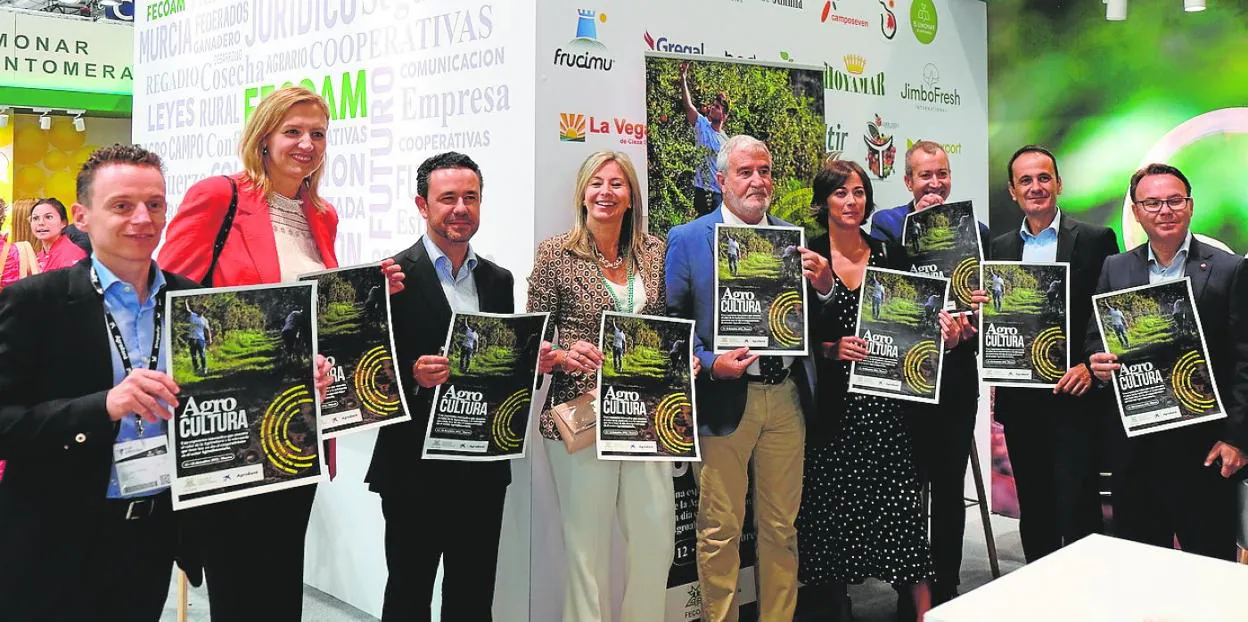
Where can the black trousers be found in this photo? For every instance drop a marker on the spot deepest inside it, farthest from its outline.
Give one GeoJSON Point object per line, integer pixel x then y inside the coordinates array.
{"type": "Point", "coordinates": [87, 562]}
{"type": "Point", "coordinates": [1162, 490]}
{"type": "Point", "coordinates": [129, 572]}
{"type": "Point", "coordinates": [1056, 457]}
{"type": "Point", "coordinates": [450, 521]}
{"type": "Point", "coordinates": [252, 554]}
{"type": "Point", "coordinates": [942, 441]}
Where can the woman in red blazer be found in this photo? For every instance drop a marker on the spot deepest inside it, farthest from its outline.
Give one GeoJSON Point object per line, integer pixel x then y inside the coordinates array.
{"type": "Point", "coordinates": [251, 549]}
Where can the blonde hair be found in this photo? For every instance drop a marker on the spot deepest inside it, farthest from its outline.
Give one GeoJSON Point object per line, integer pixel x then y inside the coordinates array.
{"type": "Point", "coordinates": [267, 117]}
{"type": "Point", "coordinates": [632, 233]}
{"type": "Point", "coordinates": [20, 216]}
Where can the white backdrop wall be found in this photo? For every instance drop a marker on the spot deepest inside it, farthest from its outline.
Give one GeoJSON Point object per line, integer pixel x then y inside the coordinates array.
{"type": "Point", "coordinates": [935, 90]}
{"type": "Point", "coordinates": [409, 78]}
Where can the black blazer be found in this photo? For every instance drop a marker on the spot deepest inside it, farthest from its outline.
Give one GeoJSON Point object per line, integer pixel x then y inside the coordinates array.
{"type": "Point", "coordinates": [55, 374]}
{"type": "Point", "coordinates": [1085, 247]}
{"type": "Point", "coordinates": [826, 327]}
{"type": "Point", "coordinates": [421, 317]}
{"type": "Point", "coordinates": [1220, 285]}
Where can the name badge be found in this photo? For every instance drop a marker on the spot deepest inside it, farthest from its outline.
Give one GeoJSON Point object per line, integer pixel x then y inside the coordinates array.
{"type": "Point", "coordinates": [142, 465]}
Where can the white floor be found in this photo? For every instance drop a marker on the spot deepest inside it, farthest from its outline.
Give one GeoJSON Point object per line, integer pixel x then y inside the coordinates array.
{"type": "Point", "coordinates": [873, 601]}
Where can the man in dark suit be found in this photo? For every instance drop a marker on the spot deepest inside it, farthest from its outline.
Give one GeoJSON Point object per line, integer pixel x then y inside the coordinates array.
{"type": "Point", "coordinates": [79, 541]}
{"type": "Point", "coordinates": [749, 407]}
{"type": "Point", "coordinates": [459, 504]}
{"type": "Point", "coordinates": [943, 433]}
{"type": "Point", "coordinates": [1177, 483]}
{"type": "Point", "coordinates": [1054, 436]}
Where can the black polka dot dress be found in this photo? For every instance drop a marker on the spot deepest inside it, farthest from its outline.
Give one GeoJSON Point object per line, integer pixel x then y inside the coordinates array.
{"type": "Point", "coordinates": [860, 515]}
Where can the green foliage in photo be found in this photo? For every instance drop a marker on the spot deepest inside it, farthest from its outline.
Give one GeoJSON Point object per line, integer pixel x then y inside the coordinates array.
{"type": "Point", "coordinates": [782, 106]}
{"type": "Point", "coordinates": [753, 266]}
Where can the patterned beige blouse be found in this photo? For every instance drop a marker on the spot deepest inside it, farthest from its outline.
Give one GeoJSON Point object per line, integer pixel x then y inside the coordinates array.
{"type": "Point", "coordinates": [572, 291]}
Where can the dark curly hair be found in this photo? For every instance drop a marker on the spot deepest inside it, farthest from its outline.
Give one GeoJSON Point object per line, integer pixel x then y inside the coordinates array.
{"type": "Point", "coordinates": [449, 159]}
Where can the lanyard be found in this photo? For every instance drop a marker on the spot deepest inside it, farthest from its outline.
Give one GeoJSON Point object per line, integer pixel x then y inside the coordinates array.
{"type": "Point", "coordinates": [120, 343]}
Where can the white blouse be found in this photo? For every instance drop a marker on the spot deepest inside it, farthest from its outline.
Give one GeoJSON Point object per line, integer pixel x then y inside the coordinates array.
{"type": "Point", "coordinates": [639, 292]}
{"type": "Point", "coordinates": [296, 248]}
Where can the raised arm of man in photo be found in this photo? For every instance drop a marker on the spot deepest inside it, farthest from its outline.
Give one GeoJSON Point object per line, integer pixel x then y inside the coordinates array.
{"type": "Point", "coordinates": [709, 136]}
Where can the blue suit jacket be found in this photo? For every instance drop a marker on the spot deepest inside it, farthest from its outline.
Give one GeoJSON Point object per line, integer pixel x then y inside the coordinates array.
{"type": "Point", "coordinates": [886, 226]}
{"type": "Point", "coordinates": [690, 294]}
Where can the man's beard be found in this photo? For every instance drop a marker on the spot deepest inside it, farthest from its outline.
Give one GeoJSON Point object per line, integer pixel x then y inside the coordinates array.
{"type": "Point", "coordinates": [746, 212]}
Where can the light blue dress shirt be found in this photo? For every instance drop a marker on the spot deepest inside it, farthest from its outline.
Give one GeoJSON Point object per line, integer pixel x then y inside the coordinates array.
{"type": "Point", "coordinates": [1041, 247]}
{"type": "Point", "coordinates": [460, 289]}
{"type": "Point", "coordinates": [1177, 268]}
{"type": "Point", "coordinates": [136, 320]}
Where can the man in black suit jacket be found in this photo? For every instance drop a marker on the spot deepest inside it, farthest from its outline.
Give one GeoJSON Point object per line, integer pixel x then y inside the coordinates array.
{"type": "Point", "coordinates": [1054, 436]}
{"type": "Point", "coordinates": [70, 551]}
{"type": "Point", "coordinates": [942, 432]}
{"type": "Point", "coordinates": [1178, 482]}
{"type": "Point", "coordinates": [463, 501]}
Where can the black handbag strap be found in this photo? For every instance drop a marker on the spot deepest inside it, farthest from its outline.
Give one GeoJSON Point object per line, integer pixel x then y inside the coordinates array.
{"type": "Point", "coordinates": [223, 234]}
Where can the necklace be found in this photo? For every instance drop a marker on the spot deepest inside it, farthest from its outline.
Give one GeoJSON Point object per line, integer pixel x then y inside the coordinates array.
{"type": "Point", "coordinates": [611, 290]}
{"type": "Point", "coordinates": [610, 265]}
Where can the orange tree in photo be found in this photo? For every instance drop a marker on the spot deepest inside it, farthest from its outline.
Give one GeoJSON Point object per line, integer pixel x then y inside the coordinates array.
{"type": "Point", "coordinates": [782, 106]}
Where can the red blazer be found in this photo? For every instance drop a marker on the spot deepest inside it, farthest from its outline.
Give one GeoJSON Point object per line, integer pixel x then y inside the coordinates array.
{"type": "Point", "coordinates": [250, 253]}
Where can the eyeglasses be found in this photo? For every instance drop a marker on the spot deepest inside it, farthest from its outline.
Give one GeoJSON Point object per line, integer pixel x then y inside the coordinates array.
{"type": "Point", "coordinates": [1154, 205]}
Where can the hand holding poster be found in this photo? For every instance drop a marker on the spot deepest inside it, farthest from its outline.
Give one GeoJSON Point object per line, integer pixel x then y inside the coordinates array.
{"type": "Point", "coordinates": [482, 411]}
{"type": "Point", "coordinates": [1165, 381]}
{"type": "Point", "coordinates": [899, 318]}
{"type": "Point", "coordinates": [943, 240]}
{"type": "Point", "coordinates": [247, 418]}
{"type": "Point", "coordinates": [760, 290]}
{"type": "Point", "coordinates": [353, 332]}
{"type": "Point", "coordinates": [1026, 323]}
{"type": "Point", "coordinates": [645, 389]}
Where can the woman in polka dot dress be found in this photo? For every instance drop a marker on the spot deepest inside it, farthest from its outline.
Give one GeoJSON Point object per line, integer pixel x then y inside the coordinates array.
{"type": "Point", "coordinates": [861, 514]}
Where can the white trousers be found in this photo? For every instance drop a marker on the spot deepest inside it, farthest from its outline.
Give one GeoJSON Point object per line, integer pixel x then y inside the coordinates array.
{"type": "Point", "coordinates": [592, 494]}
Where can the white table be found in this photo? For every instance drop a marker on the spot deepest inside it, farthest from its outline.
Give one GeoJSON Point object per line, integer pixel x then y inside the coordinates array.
{"type": "Point", "coordinates": [1105, 579]}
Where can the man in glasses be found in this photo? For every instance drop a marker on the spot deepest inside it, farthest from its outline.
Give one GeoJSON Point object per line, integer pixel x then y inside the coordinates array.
{"type": "Point", "coordinates": [1177, 483]}
{"type": "Point", "coordinates": [1054, 435]}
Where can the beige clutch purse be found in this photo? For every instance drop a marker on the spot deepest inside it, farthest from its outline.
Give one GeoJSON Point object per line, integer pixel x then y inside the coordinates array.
{"type": "Point", "coordinates": [576, 419]}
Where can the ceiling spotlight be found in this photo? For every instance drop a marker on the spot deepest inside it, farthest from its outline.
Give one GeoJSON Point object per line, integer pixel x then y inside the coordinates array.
{"type": "Point", "coordinates": [1116, 10]}
{"type": "Point", "coordinates": [1192, 6]}
{"type": "Point", "coordinates": [80, 124]}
